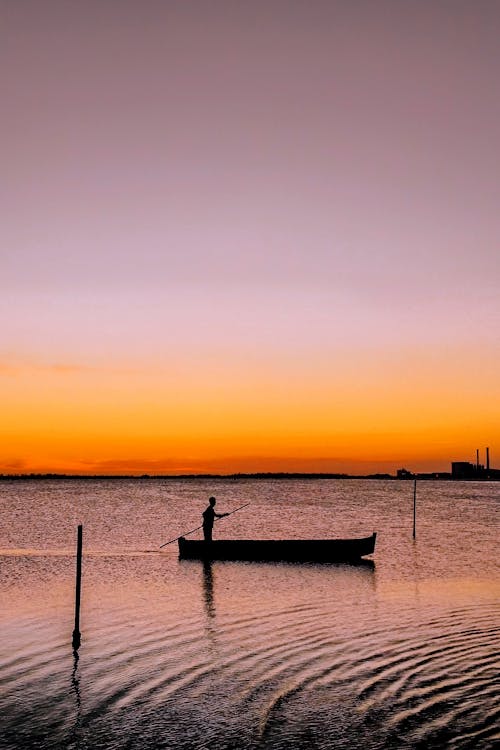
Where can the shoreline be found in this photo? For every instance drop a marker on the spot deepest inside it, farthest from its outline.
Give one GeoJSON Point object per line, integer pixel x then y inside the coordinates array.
{"type": "Point", "coordinates": [434, 476]}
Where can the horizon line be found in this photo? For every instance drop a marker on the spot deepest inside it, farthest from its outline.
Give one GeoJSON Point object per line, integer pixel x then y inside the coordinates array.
{"type": "Point", "coordinates": [231, 475]}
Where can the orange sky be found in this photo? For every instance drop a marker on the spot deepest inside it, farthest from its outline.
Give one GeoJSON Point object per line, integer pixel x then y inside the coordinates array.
{"type": "Point", "coordinates": [359, 417]}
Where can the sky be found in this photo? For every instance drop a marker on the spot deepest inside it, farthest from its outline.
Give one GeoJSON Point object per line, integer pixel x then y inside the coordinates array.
{"type": "Point", "coordinates": [244, 237]}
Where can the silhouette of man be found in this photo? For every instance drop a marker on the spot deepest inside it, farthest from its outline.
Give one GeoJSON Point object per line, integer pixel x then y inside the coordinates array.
{"type": "Point", "coordinates": [209, 516]}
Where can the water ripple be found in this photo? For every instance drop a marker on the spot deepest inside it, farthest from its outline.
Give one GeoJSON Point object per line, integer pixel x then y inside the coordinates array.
{"type": "Point", "coordinates": [254, 657]}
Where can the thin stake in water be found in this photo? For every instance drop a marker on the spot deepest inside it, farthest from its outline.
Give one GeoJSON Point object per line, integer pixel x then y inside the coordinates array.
{"type": "Point", "coordinates": [414, 509]}
{"type": "Point", "coordinates": [76, 631]}
{"type": "Point", "coordinates": [187, 533]}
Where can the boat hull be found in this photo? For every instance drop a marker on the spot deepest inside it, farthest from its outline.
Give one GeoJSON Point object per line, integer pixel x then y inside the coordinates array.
{"type": "Point", "coordinates": [290, 550]}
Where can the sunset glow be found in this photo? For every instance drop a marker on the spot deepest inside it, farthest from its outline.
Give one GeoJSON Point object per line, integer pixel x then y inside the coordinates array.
{"type": "Point", "coordinates": [240, 239]}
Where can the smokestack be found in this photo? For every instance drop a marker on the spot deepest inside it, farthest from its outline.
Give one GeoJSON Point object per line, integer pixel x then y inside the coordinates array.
{"type": "Point", "coordinates": [477, 459]}
{"type": "Point", "coordinates": [487, 459]}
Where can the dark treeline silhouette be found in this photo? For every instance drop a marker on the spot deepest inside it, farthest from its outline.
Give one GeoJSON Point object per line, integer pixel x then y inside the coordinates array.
{"type": "Point", "coordinates": [492, 475]}
{"type": "Point", "coordinates": [255, 475]}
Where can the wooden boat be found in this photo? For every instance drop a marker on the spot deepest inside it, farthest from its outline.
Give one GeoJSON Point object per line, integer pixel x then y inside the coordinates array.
{"type": "Point", "coordinates": [290, 550]}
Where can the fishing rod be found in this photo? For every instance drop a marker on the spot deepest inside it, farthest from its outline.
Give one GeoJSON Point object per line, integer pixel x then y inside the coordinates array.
{"type": "Point", "coordinates": [187, 533]}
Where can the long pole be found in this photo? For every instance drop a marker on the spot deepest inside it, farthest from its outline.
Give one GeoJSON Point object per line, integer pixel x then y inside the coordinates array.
{"type": "Point", "coordinates": [187, 533]}
{"type": "Point", "coordinates": [414, 508]}
{"type": "Point", "coordinates": [76, 631]}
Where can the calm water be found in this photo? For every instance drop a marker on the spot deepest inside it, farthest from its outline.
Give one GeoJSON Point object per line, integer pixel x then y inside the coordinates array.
{"type": "Point", "coordinates": [403, 653]}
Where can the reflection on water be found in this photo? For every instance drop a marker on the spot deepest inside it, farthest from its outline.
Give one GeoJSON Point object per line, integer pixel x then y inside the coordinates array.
{"type": "Point", "coordinates": [208, 588]}
{"type": "Point", "coordinates": [75, 684]}
{"type": "Point", "coordinates": [402, 653]}
{"type": "Point", "coordinates": [208, 598]}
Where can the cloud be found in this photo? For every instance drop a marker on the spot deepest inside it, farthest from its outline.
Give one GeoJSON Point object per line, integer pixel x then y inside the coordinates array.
{"type": "Point", "coordinates": [6, 368]}
{"type": "Point", "coordinates": [18, 367]}
{"type": "Point", "coordinates": [14, 466]}
{"type": "Point", "coordinates": [69, 368]}
{"type": "Point", "coordinates": [235, 465]}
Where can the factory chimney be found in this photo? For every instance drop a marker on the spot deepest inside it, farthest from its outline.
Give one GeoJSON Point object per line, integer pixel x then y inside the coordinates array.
{"type": "Point", "coordinates": [487, 459]}
{"type": "Point", "coordinates": [477, 459]}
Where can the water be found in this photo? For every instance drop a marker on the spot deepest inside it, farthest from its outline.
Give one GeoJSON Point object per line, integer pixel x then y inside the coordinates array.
{"type": "Point", "coordinates": [402, 653]}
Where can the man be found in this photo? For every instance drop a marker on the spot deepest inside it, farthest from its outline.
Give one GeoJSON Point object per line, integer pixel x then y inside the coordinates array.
{"type": "Point", "coordinates": [209, 516]}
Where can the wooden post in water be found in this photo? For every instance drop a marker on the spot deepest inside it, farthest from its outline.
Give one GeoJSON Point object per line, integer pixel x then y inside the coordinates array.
{"type": "Point", "coordinates": [76, 631]}
{"type": "Point", "coordinates": [414, 508]}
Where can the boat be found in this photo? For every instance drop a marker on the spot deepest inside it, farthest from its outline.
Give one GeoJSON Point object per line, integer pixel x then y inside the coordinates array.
{"type": "Point", "coordinates": [289, 550]}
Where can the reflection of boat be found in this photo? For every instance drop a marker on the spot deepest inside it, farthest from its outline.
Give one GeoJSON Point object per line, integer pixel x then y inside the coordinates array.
{"type": "Point", "coordinates": [293, 550]}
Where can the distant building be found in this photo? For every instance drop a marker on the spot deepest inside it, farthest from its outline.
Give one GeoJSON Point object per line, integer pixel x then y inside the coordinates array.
{"type": "Point", "coordinates": [465, 470]}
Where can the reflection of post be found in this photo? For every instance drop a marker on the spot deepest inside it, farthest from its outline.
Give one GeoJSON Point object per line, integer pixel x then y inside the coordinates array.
{"type": "Point", "coordinates": [414, 507]}
{"type": "Point", "coordinates": [208, 588]}
{"type": "Point", "coordinates": [75, 682]}
{"type": "Point", "coordinates": [76, 631]}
